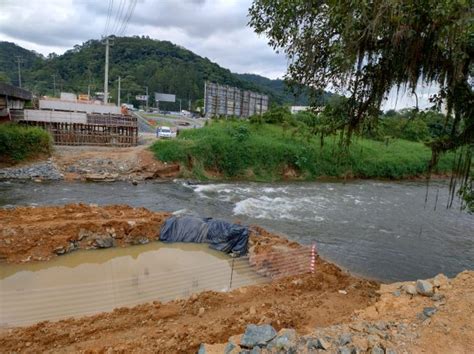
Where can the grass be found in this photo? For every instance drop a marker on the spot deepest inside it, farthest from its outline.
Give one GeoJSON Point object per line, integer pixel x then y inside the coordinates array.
{"type": "Point", "coordinates": [237, 149]}
{"type": "Point", "coordinates": [19, 142]}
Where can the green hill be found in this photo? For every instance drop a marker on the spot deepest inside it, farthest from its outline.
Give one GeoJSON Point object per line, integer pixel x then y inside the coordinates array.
{"type": "Point", "coordinates": [141, 62]}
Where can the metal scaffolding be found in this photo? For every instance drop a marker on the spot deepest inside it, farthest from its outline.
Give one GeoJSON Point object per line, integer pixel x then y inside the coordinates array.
{"type": "Point", "coordinates": [222, 100]}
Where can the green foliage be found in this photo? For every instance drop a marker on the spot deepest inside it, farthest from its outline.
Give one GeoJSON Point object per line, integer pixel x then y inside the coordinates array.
{"type": "Point", "coordinates": [366, 48]}
{"type": "Point", "coordinates": [140, 61]}
{"type": "Point", "coordinates": [19, 142]}
{"type": "Point", "coordinates": [237, 148]}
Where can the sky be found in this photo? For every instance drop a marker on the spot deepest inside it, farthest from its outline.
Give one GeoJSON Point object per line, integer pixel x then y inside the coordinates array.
{"type": "Point", "coordinates": [216, 29]}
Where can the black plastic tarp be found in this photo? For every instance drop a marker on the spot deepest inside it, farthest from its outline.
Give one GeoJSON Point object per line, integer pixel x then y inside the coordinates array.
{"type": "Point", "coordinates": [219, 234]}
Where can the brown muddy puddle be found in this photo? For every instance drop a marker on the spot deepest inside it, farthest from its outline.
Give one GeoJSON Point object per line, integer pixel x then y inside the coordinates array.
{"type": "Point", "coordinates": [88, 282]}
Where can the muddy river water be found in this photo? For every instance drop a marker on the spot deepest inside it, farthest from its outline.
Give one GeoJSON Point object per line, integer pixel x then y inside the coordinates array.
{"type": "Point", "coordinates": [87, 282]}
{"type": "Point", "coordinates": [382, 230]}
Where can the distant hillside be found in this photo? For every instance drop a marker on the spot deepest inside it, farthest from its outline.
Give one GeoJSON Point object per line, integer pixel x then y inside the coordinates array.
{"type": "Point", "coordinates": [9, 52]}
{"type": "Point", "coordinates": [140, 62]}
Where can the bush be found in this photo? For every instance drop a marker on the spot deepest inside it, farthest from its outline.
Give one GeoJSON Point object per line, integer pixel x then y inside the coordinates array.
{"type": "Point", "coordinates": [240, 149]}
{"type": "Point", "coordinates": [19, 142]}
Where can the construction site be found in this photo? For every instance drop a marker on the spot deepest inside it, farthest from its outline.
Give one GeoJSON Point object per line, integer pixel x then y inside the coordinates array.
{"type": "Point", "coordinates": [226, 101]}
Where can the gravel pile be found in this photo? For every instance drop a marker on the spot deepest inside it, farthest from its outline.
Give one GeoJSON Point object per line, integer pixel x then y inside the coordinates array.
{"type": "Point", "coordinates": [42, 170]}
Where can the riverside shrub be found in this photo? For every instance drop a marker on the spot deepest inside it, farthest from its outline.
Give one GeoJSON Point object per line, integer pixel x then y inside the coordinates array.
{"type": "Point", "coordinates": [234, 148]}
{"type": "Point", "coordinates": [19, 142]}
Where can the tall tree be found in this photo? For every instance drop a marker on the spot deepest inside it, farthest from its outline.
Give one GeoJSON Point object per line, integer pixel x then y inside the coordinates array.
{"type": "Point", "coordinates": [368, 47]}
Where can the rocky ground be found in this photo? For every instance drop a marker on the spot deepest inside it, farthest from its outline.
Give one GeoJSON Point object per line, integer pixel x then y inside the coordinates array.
{"type": "Point", "coordinates": [432, 316]}
{"type": "Point", "coordinates": [92, 163]}
{"type": "Point", "coordinates": [46, 170]}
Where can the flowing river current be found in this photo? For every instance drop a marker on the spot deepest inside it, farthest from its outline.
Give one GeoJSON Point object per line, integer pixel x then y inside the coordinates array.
{"type": "Point", "coordinates": [381, 230]}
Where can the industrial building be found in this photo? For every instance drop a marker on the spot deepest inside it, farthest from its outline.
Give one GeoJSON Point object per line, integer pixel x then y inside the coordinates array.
{"type": "Point", "coordinates": [222, 100]}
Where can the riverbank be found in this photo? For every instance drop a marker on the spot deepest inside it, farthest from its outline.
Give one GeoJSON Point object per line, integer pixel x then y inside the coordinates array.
{"type": "Point", "coordinates": [330, 300]}
{"type": "Point", "coordinates": [262, 152]}
{"type": "Point", "coordinates": [92, 164]}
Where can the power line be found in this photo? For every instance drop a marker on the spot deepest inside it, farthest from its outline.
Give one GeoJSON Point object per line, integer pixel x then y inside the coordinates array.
{"type": "Point", "coordinates": [131, 9]}
{"type": "Point", "coordinates": [109, 12]}
{"type": "Point", "coordinates": [117, 22]}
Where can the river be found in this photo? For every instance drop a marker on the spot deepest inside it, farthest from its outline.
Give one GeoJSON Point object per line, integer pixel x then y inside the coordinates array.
{"type": "Point", "coordinates": [381, 230]}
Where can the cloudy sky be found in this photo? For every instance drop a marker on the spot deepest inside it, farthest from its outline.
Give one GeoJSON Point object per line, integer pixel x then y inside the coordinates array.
{"type": "Point", "coordinates": [211, 28]}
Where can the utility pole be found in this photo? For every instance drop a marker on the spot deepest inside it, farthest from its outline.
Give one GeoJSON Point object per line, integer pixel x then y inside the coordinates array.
{"type": "Point", "coordinates": [106, 74]}
{"type": "Point", "coordinates": [118, 98]}
{"type": "Point", "coordinates": [89, 92]}
{"type": "Point", "coordinates": [189, 105]}
{"type": "Point", "coordinates": [54, 84]}
{"type": "Point", "coordinates": [19, 60]}
{"type": "Point", "coordinates": [146, 87]}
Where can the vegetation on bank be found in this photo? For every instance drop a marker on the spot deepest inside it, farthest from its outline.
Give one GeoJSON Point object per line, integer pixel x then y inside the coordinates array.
{"type": "Point", "coordinates": [263, 151]}
{"type": "Point", "coordinates": [18, 142]}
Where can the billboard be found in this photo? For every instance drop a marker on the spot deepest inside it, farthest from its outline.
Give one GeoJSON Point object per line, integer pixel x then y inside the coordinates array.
{"type": "Point", "coordinates": [164, 97]}
{"type": "Point", "coordinates": [141, 98]}
{"type": "Point", "coordinates": [221, 100]}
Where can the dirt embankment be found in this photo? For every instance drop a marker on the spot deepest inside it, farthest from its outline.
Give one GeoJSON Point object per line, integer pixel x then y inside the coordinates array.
{"type": "Point", "coordinates": [39, 233]}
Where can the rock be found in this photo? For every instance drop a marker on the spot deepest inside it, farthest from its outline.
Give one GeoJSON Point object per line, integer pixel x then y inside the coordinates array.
{"type": "Point", "coordinates": [60, 250]}
{"type": "Point", "coordinates": [252, 311]}
{"type": "Point", "coordinates": [381, 325]}
{"type": "Point", "coordinates": [230, 348]}
{"type": "Point", "coordinates": [377, 350]}
{"type": "Point", "coordinates": [440, 280]}
{"type": "Point", "coordinates": [286, 340]}
{"type": "Point", "coordinates": [105, 242]}
{"type": "Point", "coordinates": [429, 311]}
{"type": "Point", "coordinates": [319, 343]}
{"type": "Point", "coordinates": [135, 183]}
{"type": "Point", "coordinates": [344, 350]}
{"type": "Point", "coordinates": [202, 349]}
{"type": "Point", "coordinates": [255, 350]}
{"type": "Point", "coordinates": [343, 292]}
{"type": "Point", "coordinates": [424, 287]}
{"type": "Point", "coordinates": [438, 297]}
{"type": "Point", "coordinates": [257, 335]}
{"type": "Point", "coordinates": [396, 293]}
{"type": "Point", "coordinates": [372, 340]}
{"type": "Point", "coordinates": [409, 289]}
{"type": "Point", "coordinates": [345, 338]}
{"type": "Point", "coordinates": [201, 311]}
{"type": "Point", "coordinates": [297, 282]}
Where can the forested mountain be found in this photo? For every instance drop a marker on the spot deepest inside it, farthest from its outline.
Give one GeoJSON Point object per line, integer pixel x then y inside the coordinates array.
{"type": "Point", "coordinates": [140, 62]}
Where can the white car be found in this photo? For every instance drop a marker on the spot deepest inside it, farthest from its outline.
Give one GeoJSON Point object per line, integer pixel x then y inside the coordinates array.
{"type": "Point", "coordinates": [165, 132]}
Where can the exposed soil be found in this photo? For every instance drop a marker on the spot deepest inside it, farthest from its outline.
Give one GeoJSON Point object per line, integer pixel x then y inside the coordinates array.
{"type": "Point", "coordinates": [397, 322]}
{"type": "Point", "coordinates": [211, 317]}
{"type": "Point", "coordinates": [308, 303]}
{"type": "Point", "coordinates": [109, 163]}
{"type": "Point", "coordinates": [39, 233]}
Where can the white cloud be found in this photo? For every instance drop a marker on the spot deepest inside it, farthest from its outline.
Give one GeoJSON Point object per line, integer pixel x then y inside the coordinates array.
{"type": "Point", "coordinates": [214, 28]}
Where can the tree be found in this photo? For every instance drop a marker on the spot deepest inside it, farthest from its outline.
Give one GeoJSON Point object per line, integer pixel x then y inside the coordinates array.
{"type": "Point", "coordinates": [368, 47]}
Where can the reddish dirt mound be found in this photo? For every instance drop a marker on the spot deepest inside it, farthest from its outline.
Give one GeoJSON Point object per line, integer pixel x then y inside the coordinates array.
{"type": "Point", "coordinates": [39, 233]}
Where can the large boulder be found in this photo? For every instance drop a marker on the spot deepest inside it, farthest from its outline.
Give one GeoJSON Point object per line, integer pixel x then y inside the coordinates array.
{"type": "Point", "coordinates": [257, 335]}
